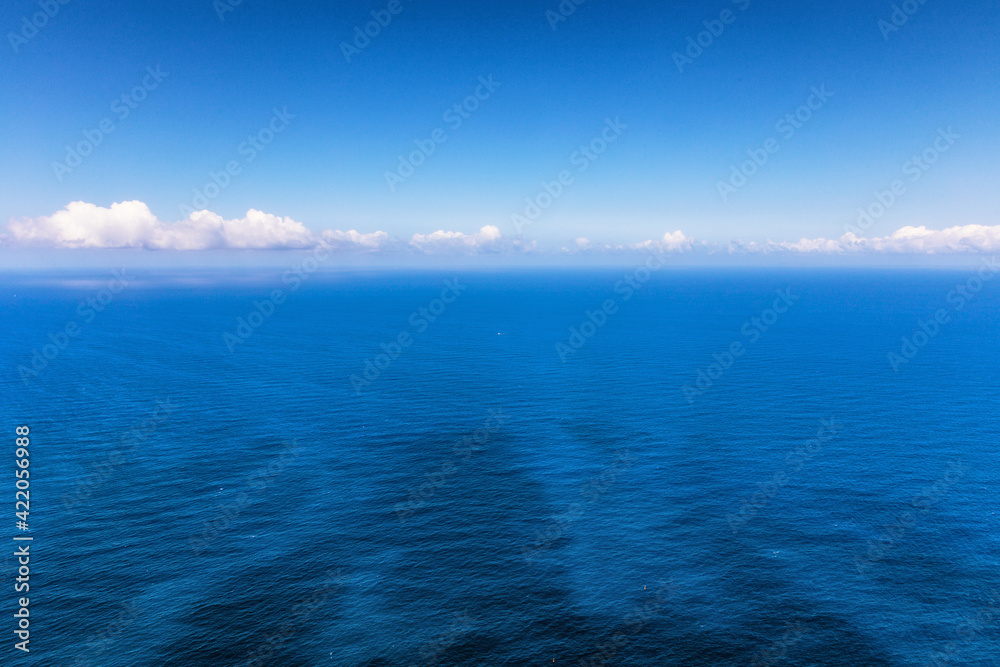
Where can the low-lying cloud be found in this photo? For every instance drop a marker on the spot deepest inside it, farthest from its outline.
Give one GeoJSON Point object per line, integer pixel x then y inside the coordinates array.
{"type": "Point", "coordinates": [906, 240]}
{"type": "Point", "coordinates": [131, 224]}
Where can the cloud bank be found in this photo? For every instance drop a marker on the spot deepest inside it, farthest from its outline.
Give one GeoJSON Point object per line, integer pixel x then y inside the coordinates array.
{"type": "Point", "coordinates": [906, 240]}
{"type": "Point", "coordinates": [131, 224]}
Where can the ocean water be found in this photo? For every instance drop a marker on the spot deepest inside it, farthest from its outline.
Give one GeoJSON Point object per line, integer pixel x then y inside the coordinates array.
{"type": "Point", "coordinates": [472, 498]}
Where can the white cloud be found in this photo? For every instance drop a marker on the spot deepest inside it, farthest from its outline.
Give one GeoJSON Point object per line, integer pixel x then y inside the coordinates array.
{"type": "Point", "coordinates": [671, 242]}
{"type": "Point", "coordinates": [907, 240]}
{"type": "Point", "coordinates": [354, 240]}
{"type": "Point", "coordinates": [967, 238]}
{"type": "Point", "coordinates": [487, 239]}
{"type": "Point", "coordinates": [131, 224]}
{"type": "Point", "coordinates": [83, 225]}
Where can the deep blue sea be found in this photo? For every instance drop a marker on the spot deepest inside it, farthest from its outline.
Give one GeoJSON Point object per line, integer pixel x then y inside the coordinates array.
{"type": "Point", "coordinates": [728, 470]}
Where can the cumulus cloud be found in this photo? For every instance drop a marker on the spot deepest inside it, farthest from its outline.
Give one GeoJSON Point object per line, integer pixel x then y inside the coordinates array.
{"type": "Point", "coordinates": [487, 239]}
{"type": "Point", "coordinates": [131, 224]}
{"type": "Point", "coordinates": [83, 225]}
{"type": "Point", "coordinates": [906, 240]}
{"type": "Point", "coordinates": [354, 240]}
{"type": "Point", "coordinates": [671, 242]}
{"type": "Point", "coordinates": [967, 238]}
{"type": "Point", "coordinates": [674, 242]}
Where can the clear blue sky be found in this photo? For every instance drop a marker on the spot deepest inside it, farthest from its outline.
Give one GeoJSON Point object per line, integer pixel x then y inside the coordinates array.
{"type": "Point", "coordinates": [557, 87]}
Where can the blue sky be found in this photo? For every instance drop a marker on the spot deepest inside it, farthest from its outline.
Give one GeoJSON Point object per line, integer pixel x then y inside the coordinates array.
{"type": "Point", "coordinates": [344, 124]}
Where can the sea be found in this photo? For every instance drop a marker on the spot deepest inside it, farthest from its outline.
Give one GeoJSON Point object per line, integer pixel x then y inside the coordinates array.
{"type": "Point", "coordinates": [612, 466]}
